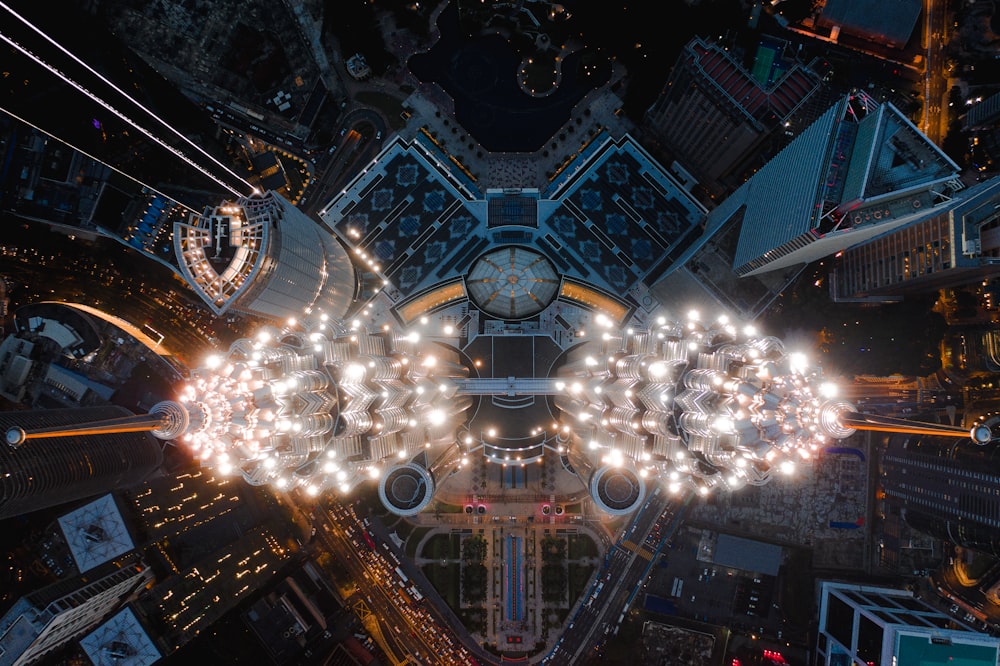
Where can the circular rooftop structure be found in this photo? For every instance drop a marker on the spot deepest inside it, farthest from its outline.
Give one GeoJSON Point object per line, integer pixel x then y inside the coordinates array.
{"type": "Point", "coordinates": [617, 491]}
{"type": "Point", "coordinates": [512, 282]}
{"type": "Point", "coordinates": [406, 489]}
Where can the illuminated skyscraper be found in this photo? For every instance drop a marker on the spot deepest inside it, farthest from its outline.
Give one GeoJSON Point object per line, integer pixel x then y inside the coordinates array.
{"type": "Point", "coordinates": [322, 406]}
{"type": "Point", "coordinates": [314, 405]}
{"type": "Point", "coordinates": [39, 473]}
{"type": "Point", "coordinates": [263, 256]}
{"type": "Point", "coordinates": [700, 405]}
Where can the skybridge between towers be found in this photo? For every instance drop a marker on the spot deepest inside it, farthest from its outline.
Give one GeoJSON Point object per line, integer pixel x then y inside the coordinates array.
{"type": "Point", "coordinates": [509, 386]}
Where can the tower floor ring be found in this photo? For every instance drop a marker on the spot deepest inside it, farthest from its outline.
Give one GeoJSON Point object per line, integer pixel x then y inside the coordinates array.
{"type": "Point", "coordinates": [829, 419]}
{"type": "Point", "coordinates": [174, 417]}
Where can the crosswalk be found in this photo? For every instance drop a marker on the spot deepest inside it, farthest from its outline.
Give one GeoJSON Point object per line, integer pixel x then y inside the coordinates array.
{"type": "Point", "coordinates": [642, 551]}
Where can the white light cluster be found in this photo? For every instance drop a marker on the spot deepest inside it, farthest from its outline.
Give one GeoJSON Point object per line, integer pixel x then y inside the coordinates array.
{"type": "Point", "coordinates": [319, 406]}
{"type": "Point", "coordinates": [697, 404]}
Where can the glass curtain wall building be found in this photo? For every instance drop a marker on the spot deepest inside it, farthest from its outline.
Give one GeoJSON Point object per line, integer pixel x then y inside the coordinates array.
{"type": "Point", "coordinates": [40, 473]}
{"type": "Point", "coordinates": [945, 487]}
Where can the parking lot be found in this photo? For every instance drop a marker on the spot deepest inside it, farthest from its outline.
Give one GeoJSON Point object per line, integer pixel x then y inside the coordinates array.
{"type": "Point", "coordinates": [744, 601]}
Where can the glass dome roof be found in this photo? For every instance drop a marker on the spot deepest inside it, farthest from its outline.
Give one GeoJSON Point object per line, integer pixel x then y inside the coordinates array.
{"type": "Point", "coordinates": [512, 282]}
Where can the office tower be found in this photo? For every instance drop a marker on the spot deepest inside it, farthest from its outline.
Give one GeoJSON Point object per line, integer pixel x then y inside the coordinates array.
{"type": "Point", "coordinates": [16, 364]}
{"type": "Point", "coordinates": [859, 624]}
{"type": "Point", "coordinates": [860, 171]}
{"type": "Point", "coordinates": [217, 541]}
{"type": "Point", "coordinates": [946, 488]}
{"type": "Point", "coordinates": [39, 473]}
{"type": "Point", "coordinates": [288, 615]}
{"type": "Point", "coordinates": [47, 619]}
{"type": "Point", "coordinates": [700, 405]}
{"type": "Point", "coordinates": [320, 406]}
{"type": "Point", "coordinates": [714, 115]}
{"type": "Point", "coordinates": [189, 601]}
{"type": "Point", "coordinates": [262, 256]}
{"type": "Point", "coordinates": [958, 245]}
{"type": "Point", "coordinates": [983, 115]}
{"type": "Point", "coordinates": [697, 404]}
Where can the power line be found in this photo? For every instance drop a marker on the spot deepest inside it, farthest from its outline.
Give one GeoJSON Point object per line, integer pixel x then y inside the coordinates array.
{"type": "Point", "coordinates": [96, 98]}
{"type": "Point", "coordinates": [97, 159]}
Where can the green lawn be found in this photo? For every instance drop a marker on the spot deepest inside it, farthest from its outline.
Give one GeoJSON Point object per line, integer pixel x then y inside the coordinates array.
{"type": "Point", "coordinates": [581, 545]}
{"type": "Point", "coordinates": [413, 540]}
{"type": "Point", "coordinates": [387, 104]}
{"type": "Point", "coordinates": [579, 576]}
{"type": "Point", "coordinates": [444, 507]}
{"type": "Point", "coordinates": [443, 546]}
{"type": "Point", "coordinates": [474, 619]}
{"type": "Point", "coordinates": [403, 529]}
{"type": "Point", "coordinates": [445, 580]}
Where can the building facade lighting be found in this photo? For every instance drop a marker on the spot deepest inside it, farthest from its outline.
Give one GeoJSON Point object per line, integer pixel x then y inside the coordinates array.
{"type": "Point", "coordinates": [693, 403]}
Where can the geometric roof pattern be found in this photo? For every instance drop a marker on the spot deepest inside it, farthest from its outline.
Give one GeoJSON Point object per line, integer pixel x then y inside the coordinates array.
{"type": "Point", "coordinates": [121, 641]}
{"type": "Point", "coordinates": [96, 533]}
{"type": "Point", "coordinates": [519, 209]}
{"type": "Point", "coordinates": [625, 210]}
{"type": "Point", "coordinates": [406, 215]}
{"type": "Point", "coordinates": [512, 282]}
{"type": "Point", "coordinates": [619, 218]}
